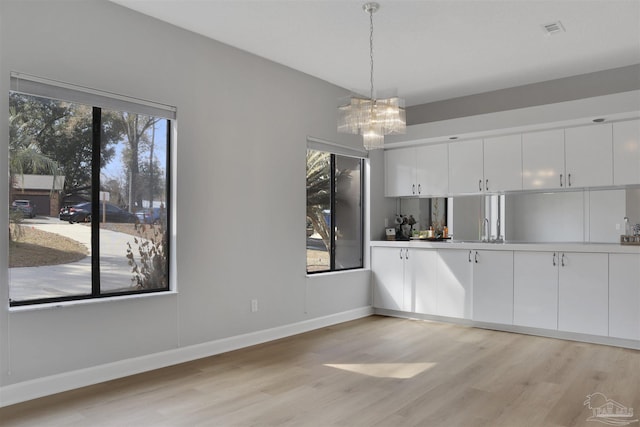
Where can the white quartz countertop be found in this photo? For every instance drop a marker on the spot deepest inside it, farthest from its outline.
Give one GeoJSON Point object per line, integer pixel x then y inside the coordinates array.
{"type": "Point", "coordinates": [512, 246]}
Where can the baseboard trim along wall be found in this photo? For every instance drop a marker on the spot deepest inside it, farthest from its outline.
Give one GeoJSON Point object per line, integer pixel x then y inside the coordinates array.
{"type": "Point", "coordinates": [40, 387]}
{"type": "Point", "coordinates": [547, 333]}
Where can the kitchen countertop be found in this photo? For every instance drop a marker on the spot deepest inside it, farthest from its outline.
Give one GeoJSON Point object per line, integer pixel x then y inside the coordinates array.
{"type": "Point", "coordinates": [511, 246]}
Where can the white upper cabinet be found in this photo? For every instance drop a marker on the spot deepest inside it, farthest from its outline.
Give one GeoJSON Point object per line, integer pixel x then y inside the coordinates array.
{"type": "Point", "coordinates": [589, 155]}
{"type": "Point", "coordinates": [432, 176]}
{"type": "Point", "coordinates": [626, 152]}
{"type": "Point", "coordinates": [400, 172]}
{"type": "Point", "coordinates": [420, 171]}
{"type": "Point", "coordinates": [503, 163]}
{"type": "Point", "coordinates": [466, 169]}
{"type": "Point", "coordinates": [543, 160]}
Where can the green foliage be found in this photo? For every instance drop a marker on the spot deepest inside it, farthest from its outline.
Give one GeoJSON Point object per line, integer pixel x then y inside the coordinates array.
{"type": "Point", "coordinates": [62, 133]}
{"type": "Point", "coordinates": [151, 266]}
{"type": "Point", "coordinates": [319, 192]}
{"type": "Point", "coordinates": [15, 225]}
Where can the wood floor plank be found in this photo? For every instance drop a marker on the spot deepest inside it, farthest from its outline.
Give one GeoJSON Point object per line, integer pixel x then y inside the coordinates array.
{"type": "Point", "coordinates": [376, 371]}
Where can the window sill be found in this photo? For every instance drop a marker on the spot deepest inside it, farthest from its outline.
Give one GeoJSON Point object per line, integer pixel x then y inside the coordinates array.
{"type": "Point", "coordinates": [69, 304]}
{"type": "Point", "coordinates": [332, 273]}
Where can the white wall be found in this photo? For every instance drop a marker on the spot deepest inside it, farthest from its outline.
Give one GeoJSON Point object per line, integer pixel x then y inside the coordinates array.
{"type": "Point", "coordinates": [240, 189]}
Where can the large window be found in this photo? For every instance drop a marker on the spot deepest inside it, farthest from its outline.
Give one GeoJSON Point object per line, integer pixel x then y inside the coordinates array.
{"type": "Point", "coordinates": [334, 212]}
{"type": "Point", "coordinates": [89, 197]}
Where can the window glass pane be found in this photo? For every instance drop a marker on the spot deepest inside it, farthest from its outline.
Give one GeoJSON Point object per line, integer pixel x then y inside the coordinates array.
{"type": "Point", "coordinates": [318, 210]}
{"type": "Point", "coordinates": [133, 201]}
{"type": "Point", "coordinates": [50, 168]}
{"type": "Point", "coordinates": [348, 212]}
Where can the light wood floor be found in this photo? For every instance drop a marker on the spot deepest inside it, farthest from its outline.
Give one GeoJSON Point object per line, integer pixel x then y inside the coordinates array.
{"type": "Point", "coordinates": [376, 371]}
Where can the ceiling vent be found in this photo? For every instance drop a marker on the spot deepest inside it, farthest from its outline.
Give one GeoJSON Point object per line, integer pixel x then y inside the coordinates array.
{"type": "Point", "coordinates": [553, 28]}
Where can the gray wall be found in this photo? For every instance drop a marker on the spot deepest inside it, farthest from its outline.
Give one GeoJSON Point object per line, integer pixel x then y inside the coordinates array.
{"type": "Point", "coordinates": [243, 123]}
{"type": "Point", "coordinates": [567, 89]}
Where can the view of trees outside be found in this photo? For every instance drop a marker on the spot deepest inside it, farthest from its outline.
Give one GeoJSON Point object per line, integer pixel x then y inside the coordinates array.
{"type": "Point", "coordinates": [338, 177]}
{"type": "Point", "coordinates": [318, 210]}
{"type": "Point", "coordinates": [52, 137]}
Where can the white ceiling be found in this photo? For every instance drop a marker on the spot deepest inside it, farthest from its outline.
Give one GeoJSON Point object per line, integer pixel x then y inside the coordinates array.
{"type": "Point", "coordinates": [425, 50]}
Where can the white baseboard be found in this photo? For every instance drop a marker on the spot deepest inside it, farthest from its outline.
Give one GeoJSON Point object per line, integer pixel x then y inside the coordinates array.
{"type": "Point", "coordinates": [33, 389]}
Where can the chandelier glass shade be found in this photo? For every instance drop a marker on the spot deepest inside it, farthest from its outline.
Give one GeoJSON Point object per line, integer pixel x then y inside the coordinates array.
{"type": "Point", "coordinates": [370, 117]}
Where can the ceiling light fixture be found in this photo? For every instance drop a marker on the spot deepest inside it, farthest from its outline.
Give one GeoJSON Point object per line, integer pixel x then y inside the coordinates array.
{"type": "Point", "coordinates": [370, 117]}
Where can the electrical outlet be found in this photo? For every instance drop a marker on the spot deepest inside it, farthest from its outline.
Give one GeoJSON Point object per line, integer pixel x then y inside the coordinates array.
{"type": "Point", "coordinates": [618, 227]}
{"type": "Point", "coordinates": [254, 305]}
{"type": "Point", "coordinates": [386, 222]}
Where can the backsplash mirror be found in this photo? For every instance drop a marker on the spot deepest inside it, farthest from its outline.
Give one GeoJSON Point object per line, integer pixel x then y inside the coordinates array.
{"type": "Point", "coordinates": [595, 216]}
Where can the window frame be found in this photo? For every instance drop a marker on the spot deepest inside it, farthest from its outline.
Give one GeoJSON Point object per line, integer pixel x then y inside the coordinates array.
{"type": "Point", "coordinates": [48, 89]}
{"type": "Point", "coordinates": [337, 150]}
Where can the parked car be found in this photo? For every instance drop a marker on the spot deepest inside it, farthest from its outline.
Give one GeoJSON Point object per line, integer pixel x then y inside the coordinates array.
{"type": "Point", "coordinates": [151, 216]}
{"type": "Point", "coordinates": [82, 213]}
{"type": "Point", "coordinates": [27, 208]}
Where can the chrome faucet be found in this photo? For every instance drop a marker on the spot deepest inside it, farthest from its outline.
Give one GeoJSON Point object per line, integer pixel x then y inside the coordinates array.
{"type": "Point", "coordinates": [486, 231]}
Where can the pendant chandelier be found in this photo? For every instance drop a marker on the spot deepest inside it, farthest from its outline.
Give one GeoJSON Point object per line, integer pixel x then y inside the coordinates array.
{"type": "Point", "coordinates": [370, 117]}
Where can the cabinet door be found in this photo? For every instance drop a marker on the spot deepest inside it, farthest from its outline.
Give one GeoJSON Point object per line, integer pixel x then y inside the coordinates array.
{"type": "Point", "coordinates": [503, 163]}
{"type": "Point", "coordinates": [583, 293]}
{"type": "Point", "coordinates": [465, 167]}
{"type": "Point", "coordinates": [422, 263]}
{"type": "Point", "coordinates": [493, 286]}
{"type": "Point", "coordinates": [454, 283]}
{"type": "Point", "coordinates": [387, 267]}
{"type": "Point", "coordinates": [535, 289]}
{"type": "Point", "coordinates": [543, 160]}
{"type": "Point", "coordinates": [432, 172]}
{"type": "Point", "coordinates": [626, 152]}
{"type": "Point", "coordinates": [624, 296]}
{"type": "Point", "coordinates": [589, 155]}
{"type": "Point", "coordinates": [400, 172]}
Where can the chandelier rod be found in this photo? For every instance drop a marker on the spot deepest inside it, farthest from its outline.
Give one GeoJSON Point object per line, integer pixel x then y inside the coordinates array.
{"type": "Point", "coordinates": [371, 7]}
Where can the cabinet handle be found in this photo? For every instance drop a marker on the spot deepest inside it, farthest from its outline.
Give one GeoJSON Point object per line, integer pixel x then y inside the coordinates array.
{"type": "Point", "coordinates": [413, 189]}
{"type": "Point", "coordinates": [486, 186]}
{"type": "Point", "coordinates": [469, 256]}
{"type": "Point", "coordinates": [569, 180]}
{"type": "Point", "coordinates": [562, 261]}
{"type": "Point", "coordinates": [479, 185]}
{"type": "Point", "coordinates": [560, 180]}
{"type": "Point", "coordinates": [475, 258]}
{"type": "Point", "coordinates": [401, 253]}
{"type": "Point", "coordinates": [419, 188]}
{"type": "Point", "coordinates": [406, 254]}
{"type": "Point", "coordinates": [554, 259]}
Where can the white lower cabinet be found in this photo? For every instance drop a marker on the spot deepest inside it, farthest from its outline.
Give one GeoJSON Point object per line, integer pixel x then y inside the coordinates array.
{"type": "Point", "coordinates": [583, 293]}
{"type": "Point", "coordinates": [624, 296]}
{"type": "Point", "coordinates": [579, 292]}
{"type": "Point", "coordinates": [388, 269]}
{"type": "Point", "coordinates": [535, 289]}
{"type": "Point", "coordinates": [404, 279]}
{"type": "Point", "coordinates": [493, 286]}
{"type": "Point", "coordinates": [423, 263]}
{"type": "Point", "coordinates": [454, 275]}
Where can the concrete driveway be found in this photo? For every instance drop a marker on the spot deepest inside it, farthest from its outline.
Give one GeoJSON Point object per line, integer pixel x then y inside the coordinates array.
{"type": "Point", "coordinates": [26, 283]}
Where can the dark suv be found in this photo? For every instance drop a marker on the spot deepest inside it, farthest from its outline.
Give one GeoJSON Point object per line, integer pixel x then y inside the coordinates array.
{"type": "Point", "coordinates": [27, 208]}
{"type": "Point", "coordinates": [82, 213]}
